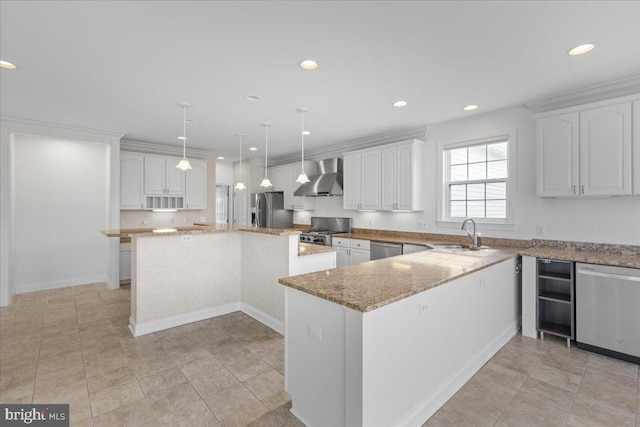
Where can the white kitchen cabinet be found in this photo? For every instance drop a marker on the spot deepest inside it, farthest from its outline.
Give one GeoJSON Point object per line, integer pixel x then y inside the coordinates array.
{"type": "Point", "coordinates": [125, 262]}
{"type": "Point", "coordinates": [402, 176]}
{"type": "Point", "coordinates": [196, 185]}
{"type": "Point", "coordinates": [161, 177]}
{"type": "Point", "coordinates": [276, 176]}
{"type": "Point", "coordinates": [131, 181]}
{"type": "Point", "coordinates": [362, 180]}
{"type": "Point", "coordinates": [284, 178]}
{"type": "Point", "coordinates": [586, 152]}
{"type": "Point", "coordinates": [635, 134]}
{"type": "Point", "coordinates": [351, 251]}
{"type": "Point", "coordinates": [605, 151]}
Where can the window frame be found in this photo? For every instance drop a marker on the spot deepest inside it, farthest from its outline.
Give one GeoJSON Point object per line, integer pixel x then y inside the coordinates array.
{"type": "Point", "coordinates": [443, 218]}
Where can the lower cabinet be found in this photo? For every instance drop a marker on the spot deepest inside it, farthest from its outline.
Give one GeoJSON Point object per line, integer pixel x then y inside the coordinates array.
{"type": "Point", "coordinates": [351, 251]}
{"type": "Point", "coordinates": [556, 299]}
{"type": "Point", "coordinates": [125, 262]}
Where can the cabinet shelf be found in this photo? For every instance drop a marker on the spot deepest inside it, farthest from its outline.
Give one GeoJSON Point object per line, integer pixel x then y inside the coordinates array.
{"type": "Point", "coordinates": [555, 276]}
{"type": "Point", "coordinates": [555, 296]}
{"type": "Point", "coordinates": [556, 329]}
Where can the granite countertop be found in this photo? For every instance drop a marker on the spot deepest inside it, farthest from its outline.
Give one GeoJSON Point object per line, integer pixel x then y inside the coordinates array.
{"type": "Point", "coordinates": [311, 249]}
{"type": "Point", "coordinates": [196, 228]}
{"type": "Point", "coordinates": [586, 256]}
{"type": "Point", "coordinates": [370, 285]}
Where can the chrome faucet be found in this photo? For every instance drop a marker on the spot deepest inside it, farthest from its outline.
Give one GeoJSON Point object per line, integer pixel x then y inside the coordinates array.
{"type": "Point", "coordinates": [473, 236]}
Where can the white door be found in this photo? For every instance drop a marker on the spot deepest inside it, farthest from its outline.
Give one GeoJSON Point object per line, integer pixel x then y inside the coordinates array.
{"type": "Point", "coordinates": [175, 178]}
{"type": "Point", "coordinates": [131, 181]}
{"type": "Point", "coordinates": [352, 165]}
{"type": "Point", "coordinates": [222, 204]}
{"type": "Point", "coordinates": [358, 256]}
{"type": "Point", "coordinates": [240, 207]}
{"type": "Point", "coordinates": [404, 176]}
{"type": "Point", "coordinates": [154, 175]}
{"type": "Point", "coordinates": [196, 185]}
{"type": "Point", "coordinates": [342, 257]}
{"type": "Point", "coordinates": [371, 180]}
{"type": "Point", "coordinates": [605, 150]}
{"type": "Point", "coordinates": [557, 155]}
{"type": "Point", "coordinates": [388, 182]}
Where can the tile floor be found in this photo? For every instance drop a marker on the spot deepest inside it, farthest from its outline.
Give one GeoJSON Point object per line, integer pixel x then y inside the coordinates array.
{"type": "Point", "coordinates": [73, 345]}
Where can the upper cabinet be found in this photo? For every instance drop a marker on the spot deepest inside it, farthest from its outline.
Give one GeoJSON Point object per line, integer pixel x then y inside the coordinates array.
{"type": "Point", "coordinates": [387, 178]}
{"type": "Point", "coordinates": [153, 182]}
{"type": "Point", "coordinates": [196, 185]}
{"type": "Point", "coordinates": [284, 178]}
{"type": "Point", "coordinates": [585, 153]}
{"type": "Point", "coordinates": [162, 177]}
{"type": "Point", "coordinates": [131, 181]}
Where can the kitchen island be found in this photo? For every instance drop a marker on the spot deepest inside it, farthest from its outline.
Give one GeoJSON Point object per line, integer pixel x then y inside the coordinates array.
{"type": "Point", "coordinates": [180, 276]}
{"type": "Point", "coordinates": [387, 342]}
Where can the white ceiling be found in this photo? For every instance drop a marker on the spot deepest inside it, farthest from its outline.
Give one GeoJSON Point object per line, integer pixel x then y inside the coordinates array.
{"type": "Point", "coordinates": [124, 65]}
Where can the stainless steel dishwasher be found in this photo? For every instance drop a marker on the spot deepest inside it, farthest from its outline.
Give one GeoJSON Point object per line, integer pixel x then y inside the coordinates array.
{"type": "Point", "coordinates": [608, 310]}
{"type": "Point", "coordinates": [381, 250]}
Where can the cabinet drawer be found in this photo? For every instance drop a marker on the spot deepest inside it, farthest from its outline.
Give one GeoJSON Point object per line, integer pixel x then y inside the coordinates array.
{"type": "Point", "coordinates": [340, 241]}
{"type": "Point", "coordinates": [360, 244]}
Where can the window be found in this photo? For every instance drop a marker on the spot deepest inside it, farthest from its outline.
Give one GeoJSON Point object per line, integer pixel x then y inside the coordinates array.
{"type": "Point", "coordinates": [477, 179]}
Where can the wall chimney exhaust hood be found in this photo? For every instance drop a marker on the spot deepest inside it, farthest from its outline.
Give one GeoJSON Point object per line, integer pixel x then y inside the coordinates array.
{"type": "Point", "coordinates": [328, 181]}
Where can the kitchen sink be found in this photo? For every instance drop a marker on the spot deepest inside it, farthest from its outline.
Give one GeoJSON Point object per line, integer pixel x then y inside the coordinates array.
{"type": "Point", "coordinates": [449, 246]}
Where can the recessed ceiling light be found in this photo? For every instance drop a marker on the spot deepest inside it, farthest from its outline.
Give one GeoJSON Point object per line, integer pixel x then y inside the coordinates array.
{"type": "Point", "coordinates": [306, 132]}
{"type": "Point", "coordinates": [470, 107]}
{"type": "Point", "coordinates": [252, 98]}
{"type": "Point", "coordinates": [220, 158]}
{"type": "Point", "coordinates": [308, 64]}
{"type": "Point", "coordinates": [181, 138]}
{"type": "Point", "coordinates": [400, 104]}
{"type": "Point", "coordinates": [7, 65]}
{"type": "Point", "coordinates": [253, 149]}
{"type": "Point", "coordinates": [583, 48]}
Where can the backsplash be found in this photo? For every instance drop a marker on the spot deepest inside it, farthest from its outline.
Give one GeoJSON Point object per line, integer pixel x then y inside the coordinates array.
{"type": "Point", "coordinates": [604, 248]}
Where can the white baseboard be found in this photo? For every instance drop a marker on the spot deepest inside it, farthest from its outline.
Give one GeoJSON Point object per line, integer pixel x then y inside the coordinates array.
{"type": "Point", "coordinates": [56, 284]}
{"type": "Point", "coordinates": [430, 404]}
{"type": "Point", "coordinates": [263, 317]}
{"type": "Point", "coordinates": [139, 329]}
{"type": "Point", "coordinates": [295, 414]}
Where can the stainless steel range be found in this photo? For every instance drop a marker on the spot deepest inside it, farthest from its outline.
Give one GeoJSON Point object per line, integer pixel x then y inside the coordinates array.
{"type": "Point", "coordinates": [323, 227]}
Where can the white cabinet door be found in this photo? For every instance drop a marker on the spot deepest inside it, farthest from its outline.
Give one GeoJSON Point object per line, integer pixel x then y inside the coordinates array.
{"type": "Point", "coordinates": [636, 148]}
{"type": "Point", "coordinates": [175, 178]}
{"type": "Point", "coordinates": [125, 264]}
{"type": "Point", "coordinates": [352, 167]}
{"type": "Point", "coordinates": [557, 156]}
{"type": "Point", "coordinates": [342, 257]}
{"type": "Point", "coordinates": [358, 256]}
{"type": "Point", "coordinates": [404, 175]}
{"type": "Point", "coordinates": [131, 181]}
{"type": "Point", "coordinates": [288, 180]}
{"type": "Point", "coordinates": [370, 180]}
{"type": "Point", "coordinates": [154, 175]}
{"type": "Point", "coordinates": [605, 151]}
{"type": "Point", "coordinates": [388, 182]}
{"type": "Point", "coordinates": [196, 185]}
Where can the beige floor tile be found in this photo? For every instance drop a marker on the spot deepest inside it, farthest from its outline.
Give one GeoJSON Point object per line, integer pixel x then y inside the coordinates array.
{"type": "Point", "coordinates": [99, 363]}
{"type": "Point", "coordinates": [109, 379]}
{"type": "Point", "coordinates": [27, 350]}
{"type": "Point", "coordinates": [230, 401]}
{"type": "Point", "coordinates": [613, 366]}
{"type": "Point", "coordinates": [502, 375]}
{"type": "Point", "coordinates": [266, 384]}
{"type": "Point", "coordinates": [522, 413]}
{"type": "Point", "coordinates": [283, 412]}
{"type": "Point", "coordinates": [80, 410]}
{"type": "Point", "coordinates": [145, 367]}
{"type": "Point", "coordinates": [162, 380]}
{"type": "Point", "coordinates": [557, 376]}
{"type": "Point", "coordinates": [114, 397]}
{"type": "Point", "coordinates": [164, 402]}
{"type": "Point", "coordinates": [545, 395]}
{"type": "Point", "coordinates": [611, 388]}
{"type": "Point", "coordinates": [17, 392]}
{"type": "Point", "coordinates": [59, 363]}
{"type": "Point", "coordinates": [134, 414]}
{"type": "Point", "coordinates": [213, 381]}
{"type": "Point", "coordinates": [275, 360]}
{"type": "Point", "coordinates": [254, 415]}
{"type": "Point", "coordinates": [249, 367]}
{"type": "Point", "coordinates": [72, 388]}
{"type": "Point", "coordinates": [591, 412]}
{"type": "Point", "coordinates": [17, 369]}
{"type": "Point", "coordinates": [195, 415]}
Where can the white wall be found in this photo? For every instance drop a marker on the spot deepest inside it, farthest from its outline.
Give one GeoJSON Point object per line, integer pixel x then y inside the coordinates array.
{"type": "Point", "coordinates": [60, 199]}
{"type": "Point", "coordinates": [224, 173]}
{"type": "Point", "coordinates": [607, 220]}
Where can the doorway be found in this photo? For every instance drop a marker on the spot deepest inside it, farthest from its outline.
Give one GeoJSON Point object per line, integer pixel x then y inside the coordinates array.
{"type": "Point", "coordinates": [223, 206]}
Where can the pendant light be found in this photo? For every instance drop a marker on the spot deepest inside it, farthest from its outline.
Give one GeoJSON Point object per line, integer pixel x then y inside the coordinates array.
{"type": "Point", "coordinates": [184, 163]}
{"type": "Point", "coordinates": [240, 185]}
{"type": "Point", "coordinates": [302, 178]}
{"type": "Point", "coordinates": [265, 182]}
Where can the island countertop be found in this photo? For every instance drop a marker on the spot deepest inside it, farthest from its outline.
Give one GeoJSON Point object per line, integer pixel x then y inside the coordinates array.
{"type": "Point", "coordinates": [195, 228]}
{"type": "Point", "coordinates": [367, 286]}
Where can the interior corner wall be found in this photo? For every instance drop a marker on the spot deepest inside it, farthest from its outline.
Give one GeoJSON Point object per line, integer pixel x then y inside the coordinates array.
{"type": "Point", "coordinates": [60, 204]}
{"type": "Point", "coordinates": [604, 220]}
{"type": "Point", "coordinates": [6, 285]}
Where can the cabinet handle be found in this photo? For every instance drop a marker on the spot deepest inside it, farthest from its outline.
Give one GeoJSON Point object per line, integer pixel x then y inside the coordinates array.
{"type": "Point", "coordinates": [574, 189]}
{"type": "Point", "coordinates": [582, 188]}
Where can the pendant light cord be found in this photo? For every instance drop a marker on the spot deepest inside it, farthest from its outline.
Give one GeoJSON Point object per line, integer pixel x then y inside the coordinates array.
{"type": "Point", "coordinates": [184, 132]}
{"type": "Point", "coordinates": [266, 147]}
{"type": "Point", "coordinates": [302, 134]}
{"type": "Point", "coordinates": [240, 180]}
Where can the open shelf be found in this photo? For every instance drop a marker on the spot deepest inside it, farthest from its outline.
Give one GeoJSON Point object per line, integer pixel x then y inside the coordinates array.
{"type": "Point", "coordinates": [555, 276]}
{"type": "Point", "coordinates": [556, 329]}
{"type": "Point", "coordinates": [555, 296]}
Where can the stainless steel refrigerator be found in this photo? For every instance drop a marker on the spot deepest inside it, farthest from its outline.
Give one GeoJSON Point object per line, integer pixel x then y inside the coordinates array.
{"type": "Point", "coordinates": [267, 210]}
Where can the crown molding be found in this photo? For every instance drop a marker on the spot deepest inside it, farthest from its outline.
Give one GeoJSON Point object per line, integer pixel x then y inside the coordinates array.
{"type": "Point", "coordinates": [165, 150]}
{"type": "Point", "coordinates": [337, 150]}
{"type": "Point", "coordinates": [617, 89]}
{"type": "Point", "coordinates": [18, 124]}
